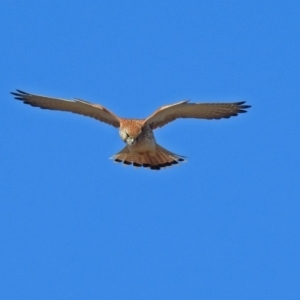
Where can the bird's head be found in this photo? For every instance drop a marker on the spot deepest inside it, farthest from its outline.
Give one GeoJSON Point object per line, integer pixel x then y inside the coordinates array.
{"type": "Point", "coordinates": [130, 132]}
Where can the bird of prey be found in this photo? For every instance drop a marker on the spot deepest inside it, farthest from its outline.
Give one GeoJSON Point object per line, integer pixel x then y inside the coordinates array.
{"type": "Point", "coordinates": [141, 149]}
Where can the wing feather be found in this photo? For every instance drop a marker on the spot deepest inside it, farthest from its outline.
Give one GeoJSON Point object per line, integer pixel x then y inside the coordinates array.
{"type": "Point", "coordinates": [76, 106]}
{"type": "Point", "coordinates": [183, 109]}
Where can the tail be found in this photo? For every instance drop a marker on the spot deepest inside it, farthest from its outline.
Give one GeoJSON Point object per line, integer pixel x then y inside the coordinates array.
{"type": "Point", "coordinates": [161, 158]}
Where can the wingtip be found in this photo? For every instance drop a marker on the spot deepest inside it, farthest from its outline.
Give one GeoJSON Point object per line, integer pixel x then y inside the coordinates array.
{"type": "Point", "coordinates": [22, 92]}
{"type": "Point", "coordinates": [240, 103]}
{"type": "Point", "coordinates": [242, 106]}
{"type": "Point", "coordinates": [19, 94]}
{"type": "Point", "coordinates": [241, 109]}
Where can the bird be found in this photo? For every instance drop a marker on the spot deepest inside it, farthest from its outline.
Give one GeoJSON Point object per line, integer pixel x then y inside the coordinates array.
{"type": "Point", "coordinates": [141, 148]}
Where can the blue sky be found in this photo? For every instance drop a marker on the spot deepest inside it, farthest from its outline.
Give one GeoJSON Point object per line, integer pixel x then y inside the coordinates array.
{"type": "Point", "coordinates": [224, 225]}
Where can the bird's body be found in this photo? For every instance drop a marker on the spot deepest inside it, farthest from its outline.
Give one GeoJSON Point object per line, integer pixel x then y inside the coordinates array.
{"type": "Point", "coordinates": [141, 147]}
{"type": "Point", "coordinates": [138, 138]}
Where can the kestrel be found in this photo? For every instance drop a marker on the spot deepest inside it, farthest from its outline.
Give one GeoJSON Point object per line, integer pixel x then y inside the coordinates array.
{"type": "Point", "coordinates": [141, 149]}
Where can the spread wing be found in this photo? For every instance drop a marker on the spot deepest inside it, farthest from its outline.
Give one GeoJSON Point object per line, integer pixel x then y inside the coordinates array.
{"type": "Point", "coordinates": [183, 109]}
{"type": "Point", "coordinates": [76, 106]}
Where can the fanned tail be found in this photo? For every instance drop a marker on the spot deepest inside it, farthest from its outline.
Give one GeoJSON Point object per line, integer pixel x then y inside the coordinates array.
{"type": "Point", "coordinates": [161, 158]}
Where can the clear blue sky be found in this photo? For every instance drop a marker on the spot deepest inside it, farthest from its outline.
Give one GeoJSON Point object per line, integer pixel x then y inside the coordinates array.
{"type": "Point", "coordinates": [224, 225]}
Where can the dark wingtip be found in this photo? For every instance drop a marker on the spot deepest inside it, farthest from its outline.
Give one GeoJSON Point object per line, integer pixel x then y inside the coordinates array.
{"type": "Point", "coordinates": [242, 108]}
{"type": "Point", "coordinates": [19, 95]}
{"type": "Point", "coordinates": [241, 105]}
{"type": "Point", "coordinates": [22, 92]}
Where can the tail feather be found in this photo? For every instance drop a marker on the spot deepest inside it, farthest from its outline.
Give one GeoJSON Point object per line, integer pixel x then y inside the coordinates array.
{"type": "Point", "coordinates": [161, 158]}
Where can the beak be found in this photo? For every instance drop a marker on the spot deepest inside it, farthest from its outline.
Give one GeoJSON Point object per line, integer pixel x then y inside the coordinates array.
{"type": "Point", "coordinates": [130, 141]}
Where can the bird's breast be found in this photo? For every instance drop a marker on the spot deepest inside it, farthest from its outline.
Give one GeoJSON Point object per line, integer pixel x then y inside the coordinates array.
{"type": "Point", "coordinates": [145, 142]}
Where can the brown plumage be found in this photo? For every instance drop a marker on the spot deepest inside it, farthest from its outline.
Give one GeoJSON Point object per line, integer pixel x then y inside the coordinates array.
{"type": "Point", "coordinates": [141, 148]}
